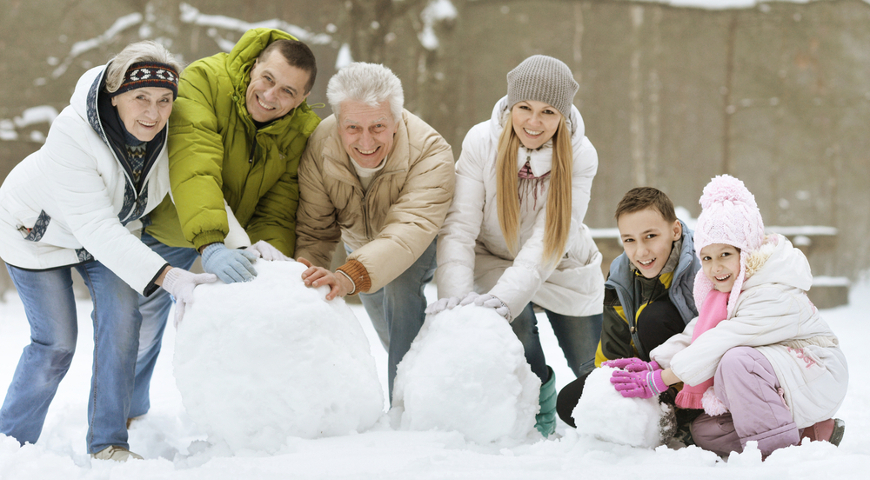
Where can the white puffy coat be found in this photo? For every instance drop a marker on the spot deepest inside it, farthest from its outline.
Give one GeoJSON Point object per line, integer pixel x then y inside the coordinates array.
{"type": "Point", "coordinates": [472, 253]}
{"type": "Point", "coordinates": [774, 315]}
{"type": "Point", "coordinates": [71, 192]}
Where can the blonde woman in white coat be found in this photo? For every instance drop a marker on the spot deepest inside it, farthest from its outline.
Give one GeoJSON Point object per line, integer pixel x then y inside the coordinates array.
{"type": "Point", "coordinates": [514, 235]}
{"type": "Point", "coordinates": [76, 203]}
{"type": "Point", "coordinates": [759, 359]}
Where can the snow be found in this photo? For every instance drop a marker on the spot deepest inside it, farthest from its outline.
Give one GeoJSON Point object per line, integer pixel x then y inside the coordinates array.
{"type": "Point", "coordinates": [640, 420]}
{"type": "Point", "coordinates": [466, 372]}
{"type": "Point", "coordinates": [7, 130]}
{"type": "Point", "coordinates": [174, 446]}
{"type": "Point", "coordinates": [32, 115]}
{"type": "Point", "coordinates": [191, 15]}
{"type": "Point", "coordinates": [78, 48]}
{"type": "Point", "coordinates": [258, 362]}
{"type": "Point", "coordinates": [344, 57]}
{"type": "Point", "coordinates": [826, 281]}
{"type": "Point", "coordinates": [435, 11]}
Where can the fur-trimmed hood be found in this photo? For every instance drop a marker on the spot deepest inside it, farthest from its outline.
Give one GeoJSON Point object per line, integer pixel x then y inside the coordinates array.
{"type": "Point", "coordinates": [778, 261]}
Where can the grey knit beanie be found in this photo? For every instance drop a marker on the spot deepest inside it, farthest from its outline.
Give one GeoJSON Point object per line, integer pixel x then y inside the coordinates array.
{"type": "Point", "coordinates": [544, 79]}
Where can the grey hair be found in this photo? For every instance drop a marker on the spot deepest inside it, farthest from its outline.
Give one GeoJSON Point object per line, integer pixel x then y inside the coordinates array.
{"type": "Point", "coordinates": [144, 51]}
{"type": "Point", "coordinates": [369, 83]}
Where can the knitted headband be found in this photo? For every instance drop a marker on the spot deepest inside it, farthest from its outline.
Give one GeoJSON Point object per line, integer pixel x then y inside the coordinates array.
{"type": "Point", "coordinates": [149, 74]}
{"type": "Point", "coordinates": [544, 79]}
{"type": "Point", "coordinates": [730, 216]}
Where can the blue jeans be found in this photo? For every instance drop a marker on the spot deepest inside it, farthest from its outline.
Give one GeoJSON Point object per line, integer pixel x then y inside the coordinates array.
{"type": "Point", "coordinates": [578, 337]}
{"type": "Point", "coordinates": [396, 310]}
{"type": "Point", "coordinates": [50, 306]}
{"type": "Point", "coordinates": [155, 312]}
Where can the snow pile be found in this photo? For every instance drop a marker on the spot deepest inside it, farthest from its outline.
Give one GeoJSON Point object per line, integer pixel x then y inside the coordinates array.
{"type": "Point", "coordinates": [466, 372]}
{"type": "Point", "coordinates": [260, 361]}
{"type": "Point", "coordinates": [605, 414]}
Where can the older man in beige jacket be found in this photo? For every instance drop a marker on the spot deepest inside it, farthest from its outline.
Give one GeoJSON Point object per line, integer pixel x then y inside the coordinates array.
{"type": "Point", "coordinates": [380, 179]}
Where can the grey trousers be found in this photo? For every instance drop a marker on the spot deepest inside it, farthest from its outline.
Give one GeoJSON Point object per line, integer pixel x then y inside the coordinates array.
{"type": "Point", "coordinates": [746, 383]}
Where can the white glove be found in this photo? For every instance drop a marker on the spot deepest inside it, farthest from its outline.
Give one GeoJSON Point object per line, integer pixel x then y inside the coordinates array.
{"type": "Point", "coordinates": [180, 284]}
{"type": "Point", "coordinates": [487, 300]}
{"type": "Point", "coordinates": [443, 304]}
{"type": "Point", "coordinates": [268, 252]}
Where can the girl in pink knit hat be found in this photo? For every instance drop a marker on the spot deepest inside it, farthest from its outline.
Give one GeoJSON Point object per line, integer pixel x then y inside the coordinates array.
{"type": "Point", "coordinates": [758, 359]}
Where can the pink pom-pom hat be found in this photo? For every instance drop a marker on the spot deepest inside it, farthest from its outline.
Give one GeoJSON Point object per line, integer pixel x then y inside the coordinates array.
{"type": "Point", "coordinates": [729, 215]}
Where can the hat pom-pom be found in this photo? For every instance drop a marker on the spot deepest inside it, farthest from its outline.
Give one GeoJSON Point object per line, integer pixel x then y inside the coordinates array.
{"type": "Point", "coordinates": [725, 188]}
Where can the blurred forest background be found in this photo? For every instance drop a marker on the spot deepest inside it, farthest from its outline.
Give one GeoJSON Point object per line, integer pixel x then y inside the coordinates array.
{"type": "Point", "coordinates": [776, 94]}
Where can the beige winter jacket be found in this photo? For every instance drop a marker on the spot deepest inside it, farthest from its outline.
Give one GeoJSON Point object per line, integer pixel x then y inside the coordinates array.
{"type": "Point", "coordinates": [389, 226]}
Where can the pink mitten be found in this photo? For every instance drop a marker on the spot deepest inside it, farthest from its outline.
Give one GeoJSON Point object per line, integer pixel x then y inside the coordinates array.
{"type": "Point", "coordinates": [638, 384]}
{"type": "Point", "coordinates": [633, 365]}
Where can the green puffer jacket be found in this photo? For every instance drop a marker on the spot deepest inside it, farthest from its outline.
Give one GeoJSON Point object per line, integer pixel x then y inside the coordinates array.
{"type": "Point", "coordinates": [217, 153]}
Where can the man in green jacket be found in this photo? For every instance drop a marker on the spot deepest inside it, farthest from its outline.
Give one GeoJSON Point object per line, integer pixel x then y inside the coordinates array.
{"type": "Point", "coordinates": [236, 135]}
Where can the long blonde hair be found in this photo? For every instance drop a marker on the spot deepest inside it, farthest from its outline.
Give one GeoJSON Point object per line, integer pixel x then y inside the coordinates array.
{"type": "Point", "coordinates": [558, 221]}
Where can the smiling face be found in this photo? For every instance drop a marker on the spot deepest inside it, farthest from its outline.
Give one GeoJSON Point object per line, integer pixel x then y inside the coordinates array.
{"type": "Point", "coordinates": [721, 264]}
{"type": "Point", "coordinates": [534, 122]}
{"type": "Point", "coordinates": [647, 239]}
{"type": "Point", "coordinates": [276, 88]}
{"type": "Point", "coordinates": [366, 131]}
{"type": "Point", "coordinates": [144, 111]}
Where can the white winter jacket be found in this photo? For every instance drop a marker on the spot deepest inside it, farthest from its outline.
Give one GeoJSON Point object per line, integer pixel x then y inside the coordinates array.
{"type": "Point", "coordinates": [774, 315]}
{"type": "Point", "coordinates": [472, 252]}
{"type": "Point", "coordinates": [60, 205]}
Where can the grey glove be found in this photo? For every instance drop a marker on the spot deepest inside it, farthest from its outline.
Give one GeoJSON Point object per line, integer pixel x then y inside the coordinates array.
{"type": "Point", "coordinates": [487, 300]}
{"type": "Point", "coordinates": [229, 265]}
{"type": "Point", "coordinates": [180, 284]}
{"type": "Point", "coordinates": [443, 304]}
{"type": "Point", "coordinates": [267, 252]}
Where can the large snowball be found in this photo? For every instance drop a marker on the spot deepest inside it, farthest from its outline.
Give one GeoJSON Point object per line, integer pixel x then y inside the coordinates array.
{"type": "Point", "coordinates": [257, 362]}
{"type": "Point", "coordinates": [466, 372]}
{"type": "Point", "coordinates": [604, 413]}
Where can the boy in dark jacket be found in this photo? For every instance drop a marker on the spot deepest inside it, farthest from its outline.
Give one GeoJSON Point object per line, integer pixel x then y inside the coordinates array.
{"type": "Point", "coordinates": [648, 293]}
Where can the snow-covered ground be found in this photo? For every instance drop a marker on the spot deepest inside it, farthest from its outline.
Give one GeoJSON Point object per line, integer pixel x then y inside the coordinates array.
{"type": "Point", "coordinates": [174, 447]}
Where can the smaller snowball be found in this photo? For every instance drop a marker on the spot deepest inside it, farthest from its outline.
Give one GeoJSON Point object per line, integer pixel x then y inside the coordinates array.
{"type": "Point", "coordinates": [604, 413]}
{"type": "Point", "coordinates": [466, 371]}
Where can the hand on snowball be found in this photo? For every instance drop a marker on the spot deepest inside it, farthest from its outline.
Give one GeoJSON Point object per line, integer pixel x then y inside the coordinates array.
{"type": "Point", "coordinates": [632, 365]}
{"type": "Point", "coordinates": [267, 252]}
{"type": "Point", "coordinates": [487, 300]}
{"type": "Point", "coordinates": [440, 305]}
{"type": "Point", "coordinates": [339, 285]}
{"type": "Point", "coordinates": [230, 265]}
{"type": "Point", "coordinates": [180, 284]}
{"type": "Point", "coordinates": [643, 384]}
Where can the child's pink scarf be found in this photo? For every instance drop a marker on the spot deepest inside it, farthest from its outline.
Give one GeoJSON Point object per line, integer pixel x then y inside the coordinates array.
{"type": "Point", "coordinates": [713, 311]}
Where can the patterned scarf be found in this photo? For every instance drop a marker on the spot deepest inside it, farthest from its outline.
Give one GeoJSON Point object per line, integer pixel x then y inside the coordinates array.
{"type": "Point", "coordinates": [530, 184]}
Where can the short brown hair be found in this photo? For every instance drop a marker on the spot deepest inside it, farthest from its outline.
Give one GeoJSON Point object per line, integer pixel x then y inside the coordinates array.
{"type": "Point", "coordinates": [646, 197]}
{"type": "Point", "coordinates": [297, 54]}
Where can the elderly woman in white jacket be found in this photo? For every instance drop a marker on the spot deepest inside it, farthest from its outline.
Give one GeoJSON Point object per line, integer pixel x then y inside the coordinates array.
{"type": "Point", "coordinates": [514, 235]}
{"type": "Point", "coordinates": [76, 203]}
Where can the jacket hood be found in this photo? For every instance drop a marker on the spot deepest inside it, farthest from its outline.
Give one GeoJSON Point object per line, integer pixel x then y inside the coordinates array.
{"type": "Point", "coordinates": [84, 98]}
{"type": "Point", "coordinates": [241, 59]}
{"type": "Point", "coordinates": [778, 261]}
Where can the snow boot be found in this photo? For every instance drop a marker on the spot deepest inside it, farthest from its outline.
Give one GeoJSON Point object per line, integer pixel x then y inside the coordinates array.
{"type": "Point", "coordinates": [830, 430]}
{"type": "Point", "coordinates": [118, 454]}
{"type": "Point", "coordinates": [545, 420]}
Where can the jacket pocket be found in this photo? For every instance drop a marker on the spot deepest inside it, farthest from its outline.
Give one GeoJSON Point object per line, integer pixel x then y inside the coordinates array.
{"type": "Point", "coordinates": [37, 230]}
